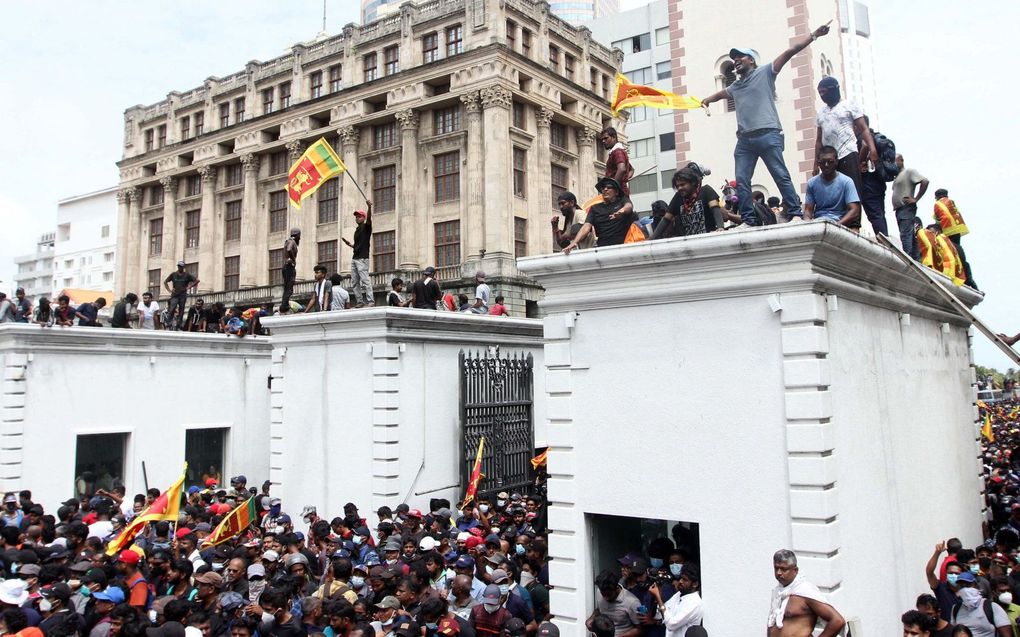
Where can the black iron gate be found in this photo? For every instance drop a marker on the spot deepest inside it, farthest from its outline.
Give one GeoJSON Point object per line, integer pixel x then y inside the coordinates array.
{"type": "Point", "coordinates": [496, 403]}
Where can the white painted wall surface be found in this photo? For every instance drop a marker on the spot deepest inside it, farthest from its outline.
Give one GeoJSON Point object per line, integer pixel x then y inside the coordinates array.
{"type": "Point", "coordinates": [781, 404]}
{"type": "Point", "coordinates": [80, 241]}
{"type": "Point", "coordinates": [62, 382]}
{"type": "Point", "coordinates": [366, 404]}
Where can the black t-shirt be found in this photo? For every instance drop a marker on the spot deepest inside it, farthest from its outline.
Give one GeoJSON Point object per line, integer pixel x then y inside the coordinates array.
{"type": "Point", "coordinates": [212, 319]}
{"type": "Point", "coordinates": [194, 321]}
{"type": "Point", "coordinates": [611, 232]}
{"type": "Point", "coordinates": [708, 194]}
{"type": "Point", "coordinates": [393, 299]}
{"type": "Point", "coordinates": [426, 295]}
{"type": "Point", "coordinates": [179, 281]}
{"type": "Point", "coordinates": [362, 240]}
{"type": "Point", "coordinates": [119, 318]}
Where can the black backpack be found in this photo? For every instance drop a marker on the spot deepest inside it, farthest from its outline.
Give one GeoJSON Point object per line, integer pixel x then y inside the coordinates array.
{"type": "Point", "coordinates": [886, 149]}
{"type": "Point", "coordinates": [764, 214]}
{"type": "Point", "coordinates": [987, 606]}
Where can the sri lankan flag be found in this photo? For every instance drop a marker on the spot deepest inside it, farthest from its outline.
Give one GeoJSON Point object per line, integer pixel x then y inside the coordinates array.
{"type": "Point", "coordinates": [311, 170]}
{"type": "Point", "coordinates": [234, 524]}
{"type": "Point", "coordinates": [986, 429]}
{"type": "Point", "coordinates": [476, 474]}
{"type": "Point", "coordinates": [166, 507]}
{"type": "Point", "coordinates": [540, 459]}
{"type": "Point", "coordinates": [629, 95]}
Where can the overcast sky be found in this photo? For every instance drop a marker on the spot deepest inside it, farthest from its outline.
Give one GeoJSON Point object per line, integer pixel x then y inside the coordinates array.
{"type": "Point", "coordinates": [71, 68]}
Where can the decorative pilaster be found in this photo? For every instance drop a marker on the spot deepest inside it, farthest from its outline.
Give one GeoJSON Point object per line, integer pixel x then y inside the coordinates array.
{"type": "Point", "coordinates": [496, 102]}
{"type": "Point", "coordinates": [171, 226]}
{"type": "Point", "coordinates": [586, 173]}
{"type": "Point", "coordinates": [250, 220]}
{"type": "Point", "coordinates": [409, 216]}
{"type": "Point", "coordinates": [385, 423]}
{"type": "Point", "coordinates": [12, 419]}
{"type": "Point", "coordinates": [123, 243]}
{"type": "Point", "coordinates": [134, 277]}
{"type": "Point", "coordinates": [210, 234]}
{"type": "Point", "coordinates": [540, 188]}
{"type": "Point", "coordinates": [294, 149]}
{"type": "Point", "coordinates": [473, 225]}
{"type": "Point", "coordinates": [350, 198]}
{"type": "Point", "coordinates": [277, 394]}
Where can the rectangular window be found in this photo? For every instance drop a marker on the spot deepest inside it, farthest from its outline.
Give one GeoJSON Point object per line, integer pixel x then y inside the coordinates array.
{"type": "Point", "coordinates": [568, 66]}
{"type": "Point", "coordinates": [315, 84]}
{"type": "Point", "coordinates": [232, 221]}
{"type": "Point", "coordinates": [234, 174]}
{"type": "Point", "coordinates": [193, 185]}
{"type": "Point", "coordinates": [239, 110]}
{"type": "Point", "coordinates": [447, 177]}
{"type": "Point", "coordinates": [558, 177]}
{"type": "Point", "coordinates": [268, 100]}
{"type": "Point", "coordinates": [203, 450]}
{"type": "Point", "coordinates": [104, 232]}
{"type": "Point", "coordinates": [370, 68]}
{"type": "Point", "coordinates": [663, 70]}
{"type": "Point", "coordinates": [641, 148]}
{"type": "Point", "coordinates": [149, 136]}
{"type": "Point", "coordinates": [108, 257]}
{"type": "Point", "coordinates": [224, 114]}
{"type": "Point", "coordinates": [155, 278]}
{"type": "Point", "coordinates": [446, 120]}
{"type": "Point", "coordinates": [384, 135]}
{"type": "Point", "coordinates": [285, 95]}
{"type": "Point", "coordinates": [594, 77]}
{"type": "Point", "coordinates": [520, 172]}
{"type": "Point", "coordinates": [554, 57]}
{"type": "Point", "coordinates": [558, 135]}
{"type": "Point", "coordinates": [644, 183]}
{"type": "Point", "coordinates": [391, 60]}
{"type": "Point", "coordinates": [430, 47]}
{"type": "Point", "coordinates": [101, 454]}
{"type": "Point", "coordinates": [447, 243]}
{"type": "Point", "coordinates": [605, 86]}
{"type": "Point", "coordinates": [192, 269]}
{"type": "Point", "coordinates": [276, 267]}
{"type": "Point", "coordinates": [639, 113]}
{"type": "Point", "coordinates": [161, 135]}
{"type": "Point", "coordinates": [667, 141]}
{"type": "Point", "coordinates": [326, 255]}
{"type": "Point", "coordinates": [454, 40]}
{"type": "Point", "coordinates": [155, 237]}
{"type": "Point", "coordinates": [335, 78]}
{"type": "Point", "coordinates": [526, 42]}
{"type": "Point", "coordinates": [511, 35]}
{"type": "Point", "coordinates": [520, 237]}
{"type": "Point", "coordinates": [329, 196]}
{"type": "Point", "coordinates": [191, 222]}
{"type": "Point", "coordinates": [640, 76]}
{"type": "Point", "coordinates": [278, 163]}
{"type": "Point", "coordinates": [517, 115]}
{"type": "Point", "coordinates": [384, 252]}
{"type": "Point", "coordinates": [186, 127]}
{"type": "Point", "coordinates": [667, 179]}
{"type": "Point", "coordinates": [662, 36]}
{"type": "Point", "coordinates": [231, 273]}
{"type": "Point", "coordinates": [278, 211]}
{"type": "Point", "coordinates": [199, 123]}
{"type": "Point", "coordinates": [635, 44]}
{"type": "Point", "coordinates": [384, 188]}
{"type": "Point", "coordinates": [107, 276]}
{"type": "Point", "coordinates": [156, 195]}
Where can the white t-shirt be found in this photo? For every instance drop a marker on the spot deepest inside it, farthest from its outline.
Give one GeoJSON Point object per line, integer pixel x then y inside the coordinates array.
{"type": "Point", "coordinates": [341, 298]}
{"type": "Point", "coordinates": [147, 312]}
{"type": "Point", "coordinates": [101, 529]}
{"type": "Point", "coordinates": [482, 292]}
{"type": "Point", "coordinates": [837, 124]}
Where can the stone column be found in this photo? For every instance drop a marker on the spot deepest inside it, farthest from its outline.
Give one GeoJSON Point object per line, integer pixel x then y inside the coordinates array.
{"type": "Point", "coordinates": [168, 258]}
{"type": "Point", "coordinates": [251, 218]}
{"type": "Point", "coordinates": [123, 241]}
{"type": "Point", "coordinates": [305, 218]}
{"type": "Point", "coordinates": [586, 175]}
{"type": "Point", "coordinates": [409, 215]}
{"type": "Point", "coordinates": [210, 235]}
{"type": "Point", "coordinates": [134, 268]}
{"type": "Point", "coordinates": [473, 225]}
{"type": "Point", "coordinates": [540, 195]}
{"type": "Point", "coordinates": [498, 171]}
{"type": "Point", "coordinates": [350, 198]}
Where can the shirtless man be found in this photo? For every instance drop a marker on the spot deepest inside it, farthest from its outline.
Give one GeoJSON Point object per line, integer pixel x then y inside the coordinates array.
{"type": "Point", "coordinates": [797, 604]}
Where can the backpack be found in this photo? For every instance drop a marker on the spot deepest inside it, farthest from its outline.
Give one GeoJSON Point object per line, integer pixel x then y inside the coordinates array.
{"type": "Point", "coordinates": [886, 149]}
{"type": "Point", "coordinates": [764, 214]}
{"type": "Point", "coordinates": [987, 604]}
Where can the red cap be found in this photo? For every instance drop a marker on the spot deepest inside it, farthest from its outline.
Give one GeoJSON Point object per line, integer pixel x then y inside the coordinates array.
{"type": "Point", "coordinates": [475, 531]}
{"type": "Point", "coordinates": [210, 482]}
{"type": "Point", "coordinates": [473, 541]}
{"type": "Point", "coordinates": [222, 508]}
{"type": "Point", "coordinates": [414, 513]}
{"type": "Point", "coordinates": [183, 532]}
{"type": "Point", "coordinates": [128, 557]}
{"type": "Point", "coordinates": [360, 213]}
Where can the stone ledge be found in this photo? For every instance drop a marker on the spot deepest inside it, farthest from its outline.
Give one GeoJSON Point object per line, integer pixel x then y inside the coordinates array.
{"type": "Point", "coordinates": [109, 341]}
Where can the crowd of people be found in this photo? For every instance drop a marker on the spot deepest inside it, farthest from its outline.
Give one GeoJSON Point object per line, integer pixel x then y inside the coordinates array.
{"type": "Point", "coordinates": [477, 569]}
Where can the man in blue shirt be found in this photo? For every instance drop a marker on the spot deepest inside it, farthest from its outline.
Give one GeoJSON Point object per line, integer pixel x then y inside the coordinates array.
{"type": "Point", "coordinates": [831, 195]}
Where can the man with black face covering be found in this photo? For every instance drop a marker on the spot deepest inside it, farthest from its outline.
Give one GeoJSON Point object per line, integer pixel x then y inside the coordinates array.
{"type": "Point", "coordinates": [289, 270]}
{"type": "Point", "coordinates": [840, 123]}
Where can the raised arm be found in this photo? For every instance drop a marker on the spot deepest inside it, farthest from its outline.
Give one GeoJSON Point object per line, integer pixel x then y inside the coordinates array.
{"type": "Point", "coordinates": [929, 568]}
{"type": "Point", "coordinates": [787, 55]}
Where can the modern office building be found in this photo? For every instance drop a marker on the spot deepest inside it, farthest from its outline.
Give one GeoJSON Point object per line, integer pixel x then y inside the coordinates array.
{"type": "Point", "coordinates": [35, 270]}
{"type": "Point", "coordinates": [86, 242]}
{"type": "Point", "coordinates": [461, 122]}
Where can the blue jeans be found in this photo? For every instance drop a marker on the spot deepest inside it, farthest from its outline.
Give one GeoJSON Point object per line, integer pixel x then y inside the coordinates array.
{"type": "Point", "coordinates": [769, 148]}
{"type": "Point", "coordinates": [908, 239]}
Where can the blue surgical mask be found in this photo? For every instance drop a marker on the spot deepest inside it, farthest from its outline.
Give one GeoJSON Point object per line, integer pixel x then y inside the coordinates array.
{"type": "Point", "coordinates": [975, 568]}
{"type": "Point", "coordinates": [675, 569]}
{"type": "Point", "coordinates": [431, 626]}
{"type": "Point", "coordinates": [520, 549]}
{"type": "Point", "coordinates": [358, 540]}
{"type": "Point", "coordinates": [952, 577]}
{"type": "Point", "coordinates": [655, 562]}
{"type": "Point", "coordinates": [357, 581]}
{"type": "Point", "coordinates": [504, 589]}
{"type": "Point", "coordinates": [85, 591]}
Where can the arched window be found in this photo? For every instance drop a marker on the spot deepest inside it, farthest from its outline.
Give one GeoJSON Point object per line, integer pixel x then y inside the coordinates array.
{"type": "Point", "coordinates": [729, 76]}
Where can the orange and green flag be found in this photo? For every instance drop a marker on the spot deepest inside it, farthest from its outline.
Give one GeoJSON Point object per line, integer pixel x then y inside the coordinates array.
{"type": "Point", "coordinates": [476, 474]}
{"type": "Point", "coordinates": [629, 95]}
{"type": "Point", "coordinates": [986, 429]}
{"type": "Point", "coordinates": [540, 460]}
{"type": "Point", "coordinates": [233, 524]}
{"type": "Point", "coordinates": [317, 165]}
{"type": "Point", "coordinates": [166, 507]}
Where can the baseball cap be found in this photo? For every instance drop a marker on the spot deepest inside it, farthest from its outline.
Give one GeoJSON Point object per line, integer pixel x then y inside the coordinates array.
{"type": "Point", "coordinates": [128, 557]}
{"type": "Point", "coordinates": [967, 576]}
{"type": "Point", "coordinates": [58, 590]}
{"type": "Point", "coordinates": [429, 271]}
{"type": "Point", "coordinates": [360, 213]}
{"type": "Point", "coordinates": [464, 561]}
{"type": "Point", "coordinates": [256, 570]}
{"type": "Point", "coordinates": [391, 602]}
{"type": "Point", "coordinates": [210, 482]}
{"type": "Point", "coordinates": [548, 629]}
{"type": "Point", "coordinates": [734, 52]}
{"type": "Point", "coordinates": [181, 264]}
{"type": "Point", "coordinates": [515, 627]}
{"type": "Point", "coordinates": [231, 601]}
{"type": "Point", "coordinates": [427, 543]}
{"type": "Point", "coordinates": [498, 576]}
{"type": "Point", "coordinates": [492, 538]}
{"type": "Point", "coordinates": [29, 569]}
{"type": "Point", "coordinates": [112, 594]}
{"type": "Point", "coordinates": [496, 558]}
{"type": "Point", "coordinates": [209, 577]}
{"type": "Point", "coordinates": [183, 532]}
{"type": "Point", "coordinates": [270, 556]}
{"type": "Point", "coordinates": [491, 594]}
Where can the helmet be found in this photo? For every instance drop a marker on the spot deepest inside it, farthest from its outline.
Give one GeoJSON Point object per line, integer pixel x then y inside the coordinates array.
{"type": "Point", "coordinates": [295, 558]}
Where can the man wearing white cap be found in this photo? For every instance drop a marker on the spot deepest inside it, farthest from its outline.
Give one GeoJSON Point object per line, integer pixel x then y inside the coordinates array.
{"type": "Point", "coordinates": [759, 131]}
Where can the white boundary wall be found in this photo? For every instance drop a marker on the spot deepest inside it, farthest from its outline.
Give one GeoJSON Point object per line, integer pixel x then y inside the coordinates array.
{"type": "Point", "coordinates": [798, 388]}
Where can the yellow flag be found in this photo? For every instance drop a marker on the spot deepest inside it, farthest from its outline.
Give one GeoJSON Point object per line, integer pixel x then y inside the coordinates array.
{"type": "Point", "coordinates": [986, 430]}
{"type": "Point", "coordinates": [629, 95]}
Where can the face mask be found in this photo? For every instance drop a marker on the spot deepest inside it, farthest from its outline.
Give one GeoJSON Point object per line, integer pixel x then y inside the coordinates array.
{"type": "Point", "coordinates": [153, 616]}
{"type": "Point", "coordinates": [832, 96]}
{"type": "Point", "coordinates": [675, 569]}
{"type": "Point", "coordinates": [391, 562]}
{"type": "Point", "coordinates": [489, 569]}
{"type": "Point", "coordinates": [951, 578]}
{"type": "Point", "coordinates": [388, 621]}
{"type": "Point", "coordinates": [985, 563]}
{"type": "Point", "coordinates": [357, 581]}
{"type": "Point", "coordinates": [431, 626]}
{"type": "Point", "coordinates": [274, 510]}
{"type": "Point", "coordinates": [520, 549]}
{"type": "Point", "coordinates": [504, 589]}
{"type": "Point", "coordinates": [217, 567]}
{"type": "Point", "coordinates": [501, 503]}
{"type": "Point", "coordinates": [490, 608]}
{"type": "Point", "coordinates": [45, 606]}
{"type": "Point", "coordinates": [975, 569]}
{"type": "Point", "coordinates": [1006, 598]}
{"type": "Point", "coordinates": [970, 597]}
{"type": "Point", "coordinates": [268, 618]}
{"type": "Point", "coordinates": [484, 508]}
{"type": "Point", "coordinates": [526, 578]}
{"type": "Point", "coordinates": [85, 591]}
{"type": "Point", "coordinates": [358, 540]}
{"type": "Point", "coordinates": [655, 562]}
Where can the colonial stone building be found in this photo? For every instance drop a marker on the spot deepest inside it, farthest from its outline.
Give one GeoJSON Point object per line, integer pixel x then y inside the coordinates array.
{"type": "Point", "coordinates": [461, 119]}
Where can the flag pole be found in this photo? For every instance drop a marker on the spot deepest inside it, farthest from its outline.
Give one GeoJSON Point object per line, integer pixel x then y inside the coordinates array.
{"type": "Point", "coordinates": [356, 185]}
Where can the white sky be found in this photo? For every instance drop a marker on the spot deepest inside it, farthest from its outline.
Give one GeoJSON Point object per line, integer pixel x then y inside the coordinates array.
{"type": "Point", "coordinates": [70, 68]}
